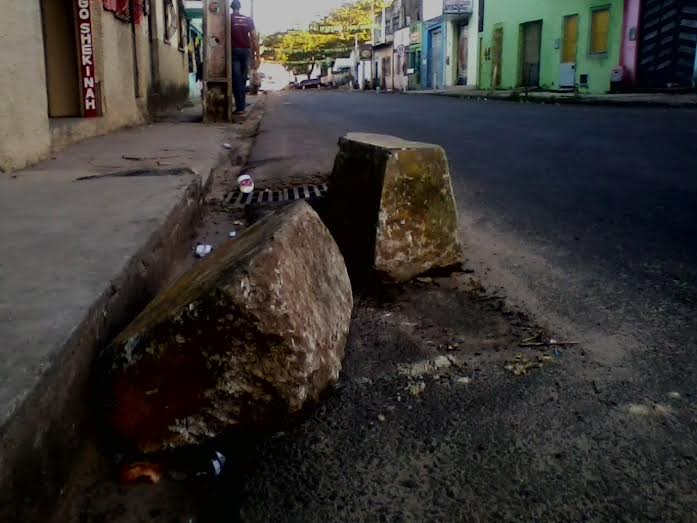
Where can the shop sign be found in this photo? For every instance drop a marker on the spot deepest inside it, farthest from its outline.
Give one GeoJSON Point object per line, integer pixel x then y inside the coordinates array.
{"type": "Point", "coordinates": [458, 7]}
{"type": "Point", "coordinates": [87, 62]}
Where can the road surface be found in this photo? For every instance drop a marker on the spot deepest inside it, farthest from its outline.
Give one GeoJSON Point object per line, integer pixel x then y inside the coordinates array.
{"type": "Point", "coordinates": [588, 215]}
{"type": "Point", "coordinates": [587, 218]}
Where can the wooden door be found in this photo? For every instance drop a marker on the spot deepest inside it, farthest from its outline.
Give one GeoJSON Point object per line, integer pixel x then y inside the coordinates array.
{"type": "Point", "coordinates": [60, 46]}
{"type": "Point", "coordinates": [570, 45]}
{"type": "Point", "coordinates": [569, 52]}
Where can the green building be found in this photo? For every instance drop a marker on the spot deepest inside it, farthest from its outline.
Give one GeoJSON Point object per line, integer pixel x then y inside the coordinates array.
{"type": "Point", "coordinates": [551, 44]}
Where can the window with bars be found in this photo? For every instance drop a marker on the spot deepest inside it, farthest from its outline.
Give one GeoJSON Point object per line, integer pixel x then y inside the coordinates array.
{"type": "Point", "coordinates": [600, 31]}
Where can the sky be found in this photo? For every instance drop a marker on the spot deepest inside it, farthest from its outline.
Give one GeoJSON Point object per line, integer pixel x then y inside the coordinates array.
{"type": "Point", "coordinates": [271, 16]}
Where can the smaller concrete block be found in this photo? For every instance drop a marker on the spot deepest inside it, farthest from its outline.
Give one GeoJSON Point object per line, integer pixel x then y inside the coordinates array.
{"type": "Point", "coordinates": [391, 207]}
{"type": "Point", "coordinates": [248, 338]}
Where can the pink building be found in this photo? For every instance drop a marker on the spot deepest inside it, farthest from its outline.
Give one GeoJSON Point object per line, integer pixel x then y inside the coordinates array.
{"type": "Point", "coordinates": [630, 41]}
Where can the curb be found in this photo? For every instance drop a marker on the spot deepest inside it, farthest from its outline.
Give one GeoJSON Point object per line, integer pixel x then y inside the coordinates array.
{"type": "Point", "coordinates": [43, 444]}
{"type": "Point", "coordinates": [45, 438]}
{"type": "Point", "coordinates": [565, 100]}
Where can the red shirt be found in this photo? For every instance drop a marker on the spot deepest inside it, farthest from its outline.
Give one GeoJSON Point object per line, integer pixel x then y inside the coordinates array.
{"type": "Point", "coordinates": [242, 27]}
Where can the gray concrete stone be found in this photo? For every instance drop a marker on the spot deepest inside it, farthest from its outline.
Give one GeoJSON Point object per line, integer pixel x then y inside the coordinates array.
{"type": "Point", "coordinates": [245, 340]}
{"type": "Point", "coordinates": [391, 207]}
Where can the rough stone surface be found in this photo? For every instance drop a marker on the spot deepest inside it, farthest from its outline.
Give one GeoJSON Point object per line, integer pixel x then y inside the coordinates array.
{"type": "Point", "coordinates": [391, 207]}
{"type": "Point", "coordinates": [249, 337]}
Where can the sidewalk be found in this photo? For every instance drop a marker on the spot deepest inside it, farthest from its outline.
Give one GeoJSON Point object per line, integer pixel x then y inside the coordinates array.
{"type": "Point", "coordinates": [89, 238]}
{"type": "Point", "coordinates": [619, 99]}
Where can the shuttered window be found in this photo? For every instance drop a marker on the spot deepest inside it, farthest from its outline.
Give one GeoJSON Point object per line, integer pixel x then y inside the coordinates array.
{"type": "Point", "coordinates": [600, 31]}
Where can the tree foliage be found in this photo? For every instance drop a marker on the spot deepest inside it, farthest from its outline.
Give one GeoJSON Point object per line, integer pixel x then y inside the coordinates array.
{"type": "Point", "coordinates": [300, 50]}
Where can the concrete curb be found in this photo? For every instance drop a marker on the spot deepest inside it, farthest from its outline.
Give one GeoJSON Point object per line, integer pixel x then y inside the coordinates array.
{"type": "Point", "coordinates": [563, 100]}
{"type": "Point", "coordinates": [45, 438]}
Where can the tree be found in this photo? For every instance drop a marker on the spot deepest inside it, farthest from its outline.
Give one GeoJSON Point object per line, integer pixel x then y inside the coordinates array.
{"type": "Point", "coordinates": [333, 37]}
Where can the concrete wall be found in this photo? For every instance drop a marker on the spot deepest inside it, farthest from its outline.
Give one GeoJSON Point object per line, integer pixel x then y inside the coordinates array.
{"type": "Point", "coordinates": [173, 67]}
{"type": "Point", "coordinates": [510, 14]}
{"type": "Point", "coordinates": [24, 133]}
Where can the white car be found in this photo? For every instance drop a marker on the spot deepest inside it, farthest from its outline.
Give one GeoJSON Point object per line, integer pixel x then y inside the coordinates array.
{"type": "Point", "coordinates": [274, 77]}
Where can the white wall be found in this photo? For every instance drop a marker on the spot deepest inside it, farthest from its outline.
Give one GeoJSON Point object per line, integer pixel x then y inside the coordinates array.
{"type": "Point", "coordinates": [432, 9]}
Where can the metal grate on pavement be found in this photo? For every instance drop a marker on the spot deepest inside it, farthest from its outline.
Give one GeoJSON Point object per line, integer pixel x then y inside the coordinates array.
{"type": "Point", "coordinates": [304, 192]}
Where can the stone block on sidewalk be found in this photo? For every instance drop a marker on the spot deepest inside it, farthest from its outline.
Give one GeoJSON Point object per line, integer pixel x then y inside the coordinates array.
{"type": "Point", "coordinates": [248, 338]}
{"type": "Point", "coordinates": [391, 207]}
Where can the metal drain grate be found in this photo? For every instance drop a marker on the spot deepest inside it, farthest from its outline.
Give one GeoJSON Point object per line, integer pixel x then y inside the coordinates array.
{"type": "Point", "coordinates": [239, 199]}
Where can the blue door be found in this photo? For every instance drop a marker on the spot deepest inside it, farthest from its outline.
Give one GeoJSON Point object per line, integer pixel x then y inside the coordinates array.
{"type": "Point", "coordinates": [435, 59]}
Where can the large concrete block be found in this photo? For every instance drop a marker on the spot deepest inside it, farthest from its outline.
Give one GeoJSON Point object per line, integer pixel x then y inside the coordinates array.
{"type": "Point", "coordinates": [391, 207]}
{"type": "Point", "coordinates": [249, 337]}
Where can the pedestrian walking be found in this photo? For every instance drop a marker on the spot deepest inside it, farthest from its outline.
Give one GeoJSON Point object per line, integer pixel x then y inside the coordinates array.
{"type": "Point", "coordinates": [244, 49]}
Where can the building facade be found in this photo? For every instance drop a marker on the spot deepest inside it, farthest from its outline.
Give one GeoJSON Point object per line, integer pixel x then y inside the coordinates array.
{"type": "Point", "coordinates": [392, 44]}
{"type": "Point", "coordinates": [563, 44]}
{"type": "Point", "coordinates": [90, 67]}
{"type": "Point", "coordinates": [450, 43]}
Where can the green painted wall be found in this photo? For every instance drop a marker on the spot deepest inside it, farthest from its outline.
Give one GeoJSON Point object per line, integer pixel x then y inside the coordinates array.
{"type": "Point", "coordinates": [510, 14]}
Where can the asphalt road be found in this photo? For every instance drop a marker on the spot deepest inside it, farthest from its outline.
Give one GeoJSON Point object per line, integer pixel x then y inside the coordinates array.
{"type": "Point", "coordinates": [586, 217]}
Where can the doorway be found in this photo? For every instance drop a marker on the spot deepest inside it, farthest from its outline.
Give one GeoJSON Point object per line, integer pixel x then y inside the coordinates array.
{"type": "Point", "coordinates": [532, 47]}
{"type": "Point", "coordinates": [569, 50]}
{"type": "Point", "coordinates": [462, 49]}
{"type": "Point", "coordinates": [60, 49]}
{"type": "Point", "coordinates": [496, 57]}
{"type": "Point", "coordinates": [435, 60]}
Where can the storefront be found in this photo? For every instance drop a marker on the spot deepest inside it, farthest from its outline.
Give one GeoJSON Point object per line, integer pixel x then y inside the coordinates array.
{"type": "Point", "coordinates": [415, 59]}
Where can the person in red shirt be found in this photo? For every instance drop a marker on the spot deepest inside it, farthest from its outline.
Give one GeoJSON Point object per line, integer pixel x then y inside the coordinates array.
{"type": "Point", "coordinates": [244, 48]}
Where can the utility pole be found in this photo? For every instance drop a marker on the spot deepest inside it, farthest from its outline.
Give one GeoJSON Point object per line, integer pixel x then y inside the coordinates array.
{"type": "Point", "coordinates": [252, 8]}
{"type": "Point", "coordinates": [372, 37]}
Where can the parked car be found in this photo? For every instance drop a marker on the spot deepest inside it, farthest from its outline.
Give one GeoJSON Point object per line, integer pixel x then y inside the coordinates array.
{"type": "Point", "coordinates": [315, 83]}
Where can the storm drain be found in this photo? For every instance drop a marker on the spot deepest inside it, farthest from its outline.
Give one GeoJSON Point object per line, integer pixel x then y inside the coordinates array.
{"type": "Point", "coordinates": [305, 192]}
